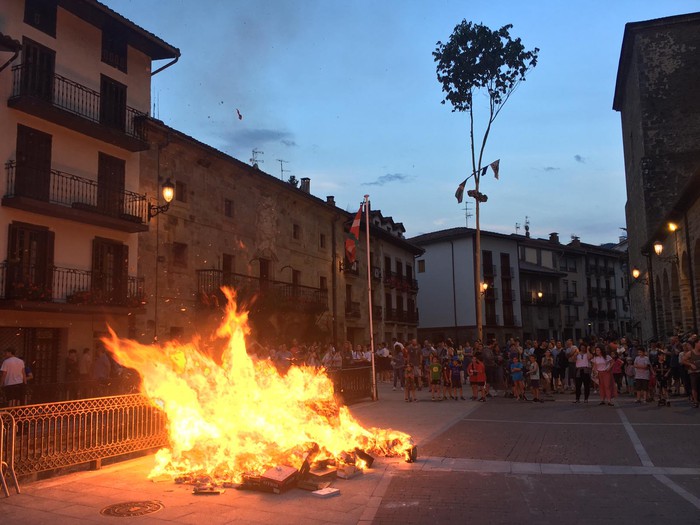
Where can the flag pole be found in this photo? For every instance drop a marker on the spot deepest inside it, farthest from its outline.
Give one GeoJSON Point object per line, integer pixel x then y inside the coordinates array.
{"type": "Point", "coordinates": [375, 397]}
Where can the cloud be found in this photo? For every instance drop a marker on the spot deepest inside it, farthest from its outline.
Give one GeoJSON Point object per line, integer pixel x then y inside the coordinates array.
{"type": "Point", "coordinates": [579, 158]}
{"type": "Point", "coordinates": [389, 177]}
{"type": "Point", "coordinates": [257, 137]}
{"type": "Point", "coordinates": [550, 168]}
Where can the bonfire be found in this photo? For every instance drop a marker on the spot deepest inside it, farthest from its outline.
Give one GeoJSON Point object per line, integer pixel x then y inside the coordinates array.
{"type": "Point", "coordinates": [236, 416]}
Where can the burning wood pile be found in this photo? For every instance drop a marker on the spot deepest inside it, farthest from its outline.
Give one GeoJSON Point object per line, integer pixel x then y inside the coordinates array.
{"type": "Point", "coordinates": [236, 422]}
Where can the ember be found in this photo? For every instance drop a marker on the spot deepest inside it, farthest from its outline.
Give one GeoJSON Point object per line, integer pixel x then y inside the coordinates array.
{"type": "Point", "coordinates": [235, 421]}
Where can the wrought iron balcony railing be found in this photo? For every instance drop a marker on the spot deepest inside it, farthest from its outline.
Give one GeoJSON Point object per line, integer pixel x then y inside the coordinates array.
{"type": "Point", "coordinates": [74, 98]}
{"type": "Point", "coordinates": [352, 309]}
{"type": "Point", "coordinates": [267, 293]}
{"type": "Point", "coordinates": [68, 285]}
{"type": "Point", "coordinates": [65, 189]}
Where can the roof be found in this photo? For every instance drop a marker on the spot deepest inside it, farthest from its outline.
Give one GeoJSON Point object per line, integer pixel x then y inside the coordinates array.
{"type": "Point", "coordinates": [99, 15]}
{"type": "Point", "coordinates": [164, 128]}
{"type": "Point", "coordinates": [9, 44]}
{"type": "Point", "coordinates": [452, 234]}
{"type": "Point", "coordinates": [627, 50]}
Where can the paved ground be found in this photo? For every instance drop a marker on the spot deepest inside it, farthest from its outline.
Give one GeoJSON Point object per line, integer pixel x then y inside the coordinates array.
{"type": "Point", "coordinates": [495, 462]}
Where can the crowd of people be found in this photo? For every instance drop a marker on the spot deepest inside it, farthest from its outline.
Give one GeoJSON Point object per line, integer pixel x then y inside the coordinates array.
{"type": "Point", "coordinates": [535, 369]}
{"type": "Point", "coordinates": [525, 372]}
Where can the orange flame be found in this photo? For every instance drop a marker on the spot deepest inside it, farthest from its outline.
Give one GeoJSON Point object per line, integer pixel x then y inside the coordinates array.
{"type": "Point", "coordinates": [242, 416]}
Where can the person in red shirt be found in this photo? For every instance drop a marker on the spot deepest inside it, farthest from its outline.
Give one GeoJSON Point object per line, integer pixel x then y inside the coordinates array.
{"type": "Point", "coordinates": [477, 378]}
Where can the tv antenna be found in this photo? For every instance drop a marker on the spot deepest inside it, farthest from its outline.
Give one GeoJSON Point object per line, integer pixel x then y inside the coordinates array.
{"type": "Point", "coordinates": [254, 160]}
{"type": "Point", "coordinates": [466, 212]}
{"type": "Point", "coordinates": [282, 170]}
{"type": "Point", "coordinates": [517, 228]}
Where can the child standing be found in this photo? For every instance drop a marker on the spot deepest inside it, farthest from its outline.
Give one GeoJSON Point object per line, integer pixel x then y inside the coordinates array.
{"type": "Point", "coordinates": [456, 378]}
{"type": "Point", "coordinates": [477, 378]}
{"type": "Point", "coordinates": [410, 382]}
{"type": "Point", "coordinates": [662, 370]}
{"type": "Point", "coordinates": [435, 375]}
{"type": "Point", "coordinates": [446, 376]}
{"type": "Point", "coordinates": [516, 374]}
{"type": "Point", "coordinates": [533, 372]}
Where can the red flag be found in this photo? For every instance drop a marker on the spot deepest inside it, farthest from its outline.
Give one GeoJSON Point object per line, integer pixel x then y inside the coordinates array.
{"type": "Point", "coordinates": [460, 191]}
{"type": "Point", "coordinates": [353, 238]}
{"type": "Point", "coordinates": [240, 117]}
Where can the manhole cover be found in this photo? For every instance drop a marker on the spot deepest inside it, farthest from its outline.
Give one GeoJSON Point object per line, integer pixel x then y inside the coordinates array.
{"type": "Point", "coordinates": [132, 508]}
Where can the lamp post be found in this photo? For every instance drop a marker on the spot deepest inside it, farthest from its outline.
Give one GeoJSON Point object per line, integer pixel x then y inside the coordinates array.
{"type": "Point", "coordinates": [168, 192]}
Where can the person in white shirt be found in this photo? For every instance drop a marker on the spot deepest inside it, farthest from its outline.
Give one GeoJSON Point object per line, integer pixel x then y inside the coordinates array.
{"type": "Point", "coordinates": [582, 363]}
{"type": "Point", "coordinates": [13, 378]}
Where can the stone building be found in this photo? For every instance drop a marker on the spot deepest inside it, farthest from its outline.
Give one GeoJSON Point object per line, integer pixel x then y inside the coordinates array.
{"type": "Point", "coordinates": [278, 246]}
{"type": "Point", "coordinates": [657, 99]}
{"type": "Point", "coordinates": [71, 121]}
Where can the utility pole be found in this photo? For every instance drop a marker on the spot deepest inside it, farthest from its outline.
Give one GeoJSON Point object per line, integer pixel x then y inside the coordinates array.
{"type": "Point", "coordinates": [282, 170]}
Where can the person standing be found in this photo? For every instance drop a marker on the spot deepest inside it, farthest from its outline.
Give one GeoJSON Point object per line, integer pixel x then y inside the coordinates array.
{"type": "Point", "coordinates": [13, 378]}
{"type": "Point", "coordinates": [602, 365]}
{"type": "Point", "coordinates": [72, 374]}
{"type": "Point", "coordinates": [570, 351]}
{"type": "Point", "coordinates": [642, 368]}
{"type": "Point", "coordinates": [435, 375]}
{"type": "Point", "coordinates": [582, 374]}
{"type": "Point", "coordinates": [691, 360]}
{"type": "Point", "coordinates": [398, 363]}
{"type": "Point", "coordinates": [533, 371]}
{"type": "Point", "coordinates": [547, 368]}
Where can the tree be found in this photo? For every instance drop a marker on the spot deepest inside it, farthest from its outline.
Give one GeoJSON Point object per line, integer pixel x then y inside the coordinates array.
{"type": "Point", "coordinates": [476, 60]}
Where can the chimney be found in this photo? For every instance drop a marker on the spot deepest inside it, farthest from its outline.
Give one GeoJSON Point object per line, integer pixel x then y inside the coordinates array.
{"type": "Point", "coordinates": [305, 185]}
{"type": "Point", "coordinates": [330, 200]}
{"type": "Point", "coordinates": [554, 237]}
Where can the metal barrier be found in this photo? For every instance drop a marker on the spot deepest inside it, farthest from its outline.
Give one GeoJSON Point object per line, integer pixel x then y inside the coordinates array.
{"type": "Point", "coordinates": [6, 447]}
{"type": "Point", "coordinates": [37, 438]}
{"type": "Point", "coordinates": [352, 384]}
{"type": "Point", "coordinates": [56, 435]}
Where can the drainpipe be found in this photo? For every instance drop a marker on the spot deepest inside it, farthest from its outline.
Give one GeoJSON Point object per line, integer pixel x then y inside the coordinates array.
{"type": "Point", "coordinates": [334, 281]}
{"type": "Point", "coordinates": [172, 62]}
{"type": "Point", "coordinates": [454, 291]}
{"type": "Point", "coordinates": [690, 274]}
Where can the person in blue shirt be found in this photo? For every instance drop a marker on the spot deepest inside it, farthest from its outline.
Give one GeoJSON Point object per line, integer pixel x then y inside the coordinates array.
{"type": "Point", "coordinates": [516, 374]}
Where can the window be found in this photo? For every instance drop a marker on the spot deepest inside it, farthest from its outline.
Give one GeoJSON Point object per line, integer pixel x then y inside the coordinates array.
{"type": "Point", "coordinates": [179, 254]}
{"type": "Point", "coordinates": [322, 241]}
{"type": "Point", "coordinates": [29, 271]}
{"type": "Point", "coordinates": [180, 191]}
{"type": "Point", "coordinates": [42, 15]}
{"type": "Point", "coordinates": [33, 167]}
{"type": "Point", "coordinates": [421, 265]}
{"type": "Point", "coordinates": [112, 103]}
{"type": "Point", "coordinates": [228, 207]}
{"type": "Point", "coordinates": [110, 185]}
{"type": "Point", "coordinates": [323, 283]}
{"type": "Point", "coordinates": [114, 48]}
{"type": "Point", "coordinates": [296, 232]}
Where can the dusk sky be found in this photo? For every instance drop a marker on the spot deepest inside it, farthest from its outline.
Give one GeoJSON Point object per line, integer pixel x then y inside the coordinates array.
{"type": "Point", "coordinates": [346, 92]}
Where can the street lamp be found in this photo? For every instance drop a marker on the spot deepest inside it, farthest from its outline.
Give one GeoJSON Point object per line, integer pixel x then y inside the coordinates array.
{"type": "Point", "coordinates": [539, 295]}
{"type": "Point", "coordinates": [484, 287]}
{"type": "Point", "coordinates": [659, 249]}
{"type": "Point", "coordinates": [636, 272]}
{"type": "Point", "coordinates": [168, 189]}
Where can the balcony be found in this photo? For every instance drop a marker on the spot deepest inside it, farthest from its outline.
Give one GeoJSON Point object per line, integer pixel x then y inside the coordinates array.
{"type": "Point", "coordinates": [612, 315]}
{"type": "Point", "coordinates": [508, 295]}
{"type": "Point", "coordinates": [570, 320]}
{"type": "Point", "coordinates": [547, 299]}
{"type": "Point", "coordinates": [67, 196]}
{"type": "Point", "coordinates": [263, 293]}
{"type": "Point", "coordinates": [64, 102]}
{"type": "Point", "coordinates": [507, 272]}
{"type": "Point", "coordinates": [491, 294]}
{"type": "Point", "coordinates": [398, 315]}
{"type": "Point", "coordinates": [29, 289]}
{"type": "Point", "coordinates": [352, 310]}
{"type": "Point", "coordinates": [400, 282]}
{"type": "Point", "coordinates": [377, 312]}
{"type": "Point", "coordinates": [350, 268]}
{"type": "Point", "coordinates": [376, 273]}
{"type": "Point", "coordinates": [489, 270]}
{"type": "Point", "coordinates": [602, 315]}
